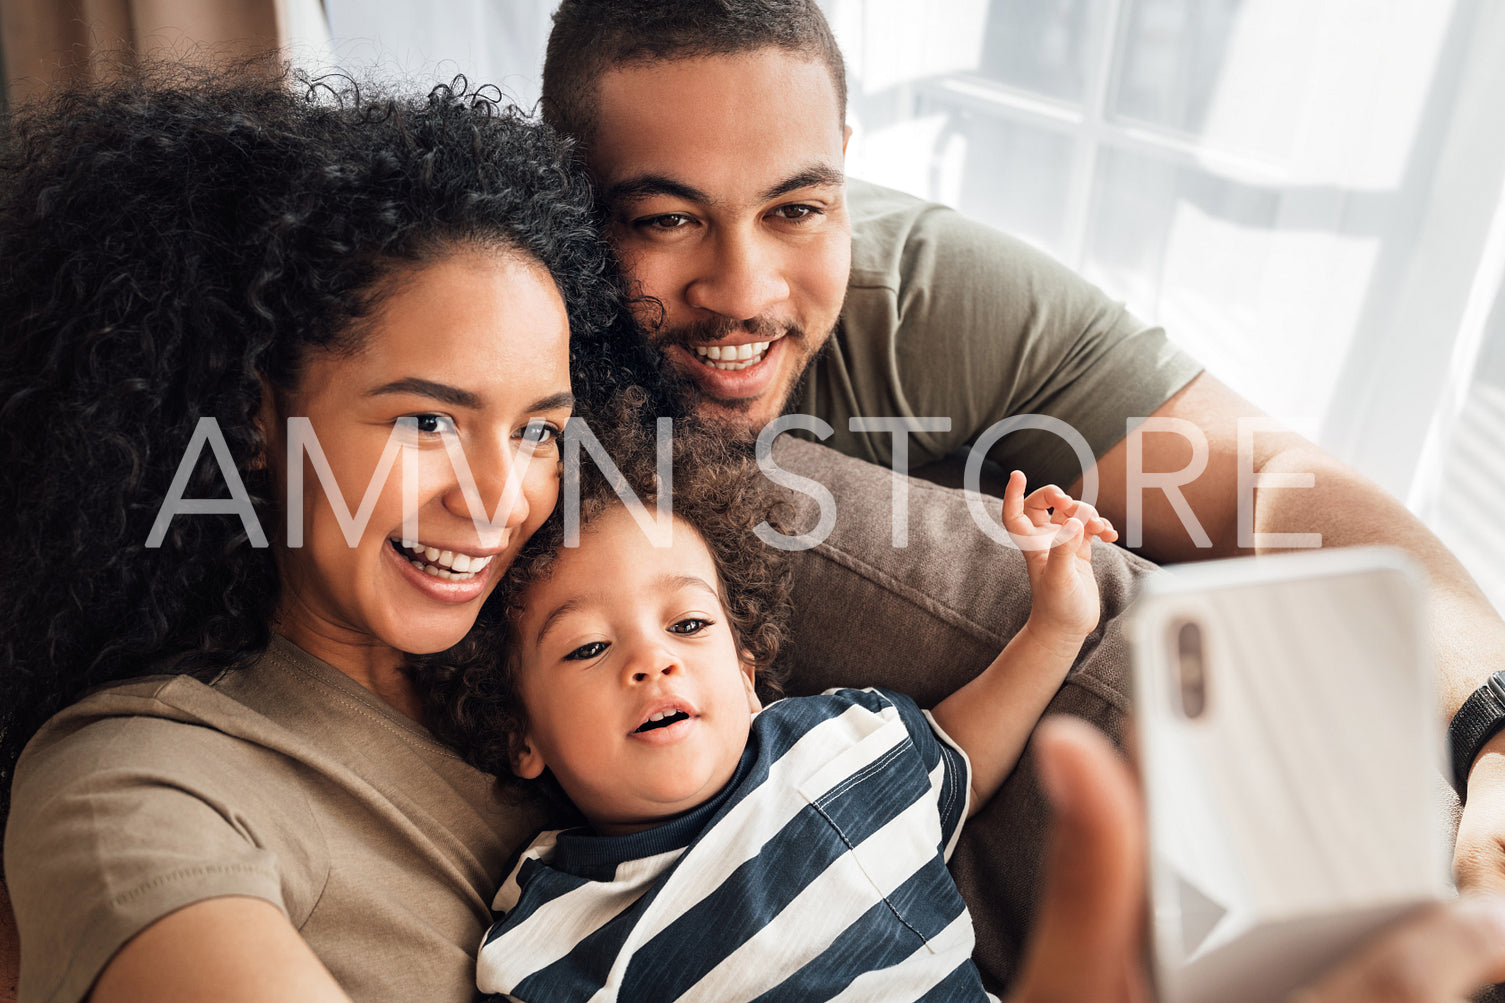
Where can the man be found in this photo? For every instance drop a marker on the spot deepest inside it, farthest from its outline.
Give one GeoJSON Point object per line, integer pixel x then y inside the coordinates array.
{"type": "Point", "coordinates": [716, 132]}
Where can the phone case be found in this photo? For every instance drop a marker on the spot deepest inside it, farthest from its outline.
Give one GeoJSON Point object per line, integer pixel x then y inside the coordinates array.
{"type": "Point", "coordinates": [1291, 792]}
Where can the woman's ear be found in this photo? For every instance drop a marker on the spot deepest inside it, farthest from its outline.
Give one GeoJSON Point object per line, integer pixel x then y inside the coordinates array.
{"type": "Point", "coordinates": [749, 672]}
{"type": "Point", "coordinates": [526, 762]}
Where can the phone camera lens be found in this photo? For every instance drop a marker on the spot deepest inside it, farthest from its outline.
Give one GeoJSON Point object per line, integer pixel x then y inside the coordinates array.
{"type": "Point", "coordinates": [1191, 670]}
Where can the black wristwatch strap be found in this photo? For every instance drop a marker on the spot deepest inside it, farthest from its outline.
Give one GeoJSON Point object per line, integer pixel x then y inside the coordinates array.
{"type": "Point", "coordinates": [1477, 721]}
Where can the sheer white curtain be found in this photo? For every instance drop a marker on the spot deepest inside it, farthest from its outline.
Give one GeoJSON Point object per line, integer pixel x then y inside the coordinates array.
{"type": "Point", "coordinates": [1306, 193]}
{"type": "Point", "coordinates": [497, 42]}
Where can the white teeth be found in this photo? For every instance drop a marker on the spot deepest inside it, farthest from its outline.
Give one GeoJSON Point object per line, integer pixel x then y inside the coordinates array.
{"type": "Point", "coordinates": [446, 564]}
{"type": "Point", "coordinates": [732, 357]}
{"type": "Point", "coordinates": [658, 717]}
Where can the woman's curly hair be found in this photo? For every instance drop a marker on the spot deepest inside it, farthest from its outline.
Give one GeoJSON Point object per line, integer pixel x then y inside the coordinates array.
{"type": "Point", "coordinates": [174, 242]}
{"type": "Point", "coordinates": [717, 490]}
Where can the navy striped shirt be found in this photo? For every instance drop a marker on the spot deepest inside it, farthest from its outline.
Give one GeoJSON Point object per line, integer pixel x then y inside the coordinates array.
{"type": "Point", "coordinates": [818, 872]}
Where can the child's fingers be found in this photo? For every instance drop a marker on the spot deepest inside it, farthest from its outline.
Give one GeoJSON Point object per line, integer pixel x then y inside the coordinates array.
{"type": "Point", "coordinates": [1065, 548]}
{"type": "Point", "coordinates": [1038, 503]}
{"type": "Point", "coordinates": [1096, 524]}
{"type": "Point", "coordinates": [1013, 500]}
{"type": "Point", "coordinates": [1021, 524]}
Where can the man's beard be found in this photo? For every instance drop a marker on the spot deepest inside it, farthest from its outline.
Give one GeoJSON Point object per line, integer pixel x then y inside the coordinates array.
{"type": "Point", "coordinates": [715, 329]}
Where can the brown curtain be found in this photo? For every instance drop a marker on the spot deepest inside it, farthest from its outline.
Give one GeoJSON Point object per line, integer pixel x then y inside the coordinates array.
{"type": "Point", "coordinates": [51, 41]}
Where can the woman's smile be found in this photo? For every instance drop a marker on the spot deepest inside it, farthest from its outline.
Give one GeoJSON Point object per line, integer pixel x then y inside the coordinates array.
{"type": "Point", "coordinates": [439, 434]}
{"type": "Point", "coordinates": [436, 580]}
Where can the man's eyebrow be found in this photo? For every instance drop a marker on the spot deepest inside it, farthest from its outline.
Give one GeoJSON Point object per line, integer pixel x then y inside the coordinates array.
{"type": "Point", "coordinates": [648, 185]}
{"type": "Point", "coordinates": [819, 176]}
{"type": "Point", "coordinates": [442, 392]}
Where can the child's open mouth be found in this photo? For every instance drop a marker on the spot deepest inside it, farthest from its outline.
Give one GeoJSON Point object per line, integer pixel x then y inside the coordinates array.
{"type": "Point", "coordinates": [661, 720]}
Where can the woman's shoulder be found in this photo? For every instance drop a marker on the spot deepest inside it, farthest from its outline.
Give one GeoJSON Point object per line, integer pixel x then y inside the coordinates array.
{"type": "Point", "coordinates": [140, 799]}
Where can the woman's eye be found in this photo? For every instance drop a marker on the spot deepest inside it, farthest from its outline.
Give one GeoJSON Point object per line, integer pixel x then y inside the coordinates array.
{"type": "Point", "coordinates": [431, 424]}
{"type": "Point", "coordinates": [689, 625]}
{"type": "Point", "coordinates": [586, 651]}
{"type": "Point", "coordinates": [538, 433]}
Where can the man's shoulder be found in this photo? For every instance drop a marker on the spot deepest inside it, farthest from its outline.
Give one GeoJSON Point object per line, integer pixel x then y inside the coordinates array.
{"type": "Point", "coordinates": [899, 239]}
{"type": "Point", "coordinates": [884, 221]}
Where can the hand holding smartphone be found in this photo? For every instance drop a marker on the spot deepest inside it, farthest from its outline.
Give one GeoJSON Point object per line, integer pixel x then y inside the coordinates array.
{"type": "Point", "coordinates": [1289, 744]}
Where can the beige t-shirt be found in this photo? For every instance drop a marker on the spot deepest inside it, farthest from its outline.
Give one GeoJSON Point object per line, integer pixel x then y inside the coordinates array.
{"type": "Point", "coordinates": [284, 780]}
{"type": "Point", "coordinates": [946, 317]}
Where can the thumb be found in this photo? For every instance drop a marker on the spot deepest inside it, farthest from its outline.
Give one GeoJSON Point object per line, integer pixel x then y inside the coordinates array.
{"type": "Point", "coordinates": [1086, 939]}
{"type": "Point", "coordinates": [1061, 568]}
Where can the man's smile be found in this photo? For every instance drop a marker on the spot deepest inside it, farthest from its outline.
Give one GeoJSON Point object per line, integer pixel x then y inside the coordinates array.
{"type": "Point", "coordinates": [732, 357]}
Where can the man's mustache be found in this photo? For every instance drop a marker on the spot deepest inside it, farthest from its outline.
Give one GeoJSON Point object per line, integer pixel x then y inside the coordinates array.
{"type": "Point", "coordinates": [713, 329]}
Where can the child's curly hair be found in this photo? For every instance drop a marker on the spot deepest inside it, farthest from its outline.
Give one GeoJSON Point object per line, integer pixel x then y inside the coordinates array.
{"type": "Point", "coordinates": [717, 490]}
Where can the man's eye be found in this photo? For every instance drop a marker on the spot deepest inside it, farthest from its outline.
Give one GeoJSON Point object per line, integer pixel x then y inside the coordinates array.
{"type": "Point", "coordinates": [538, 433]}
{"type": "Point", "coordinates": [586, 652]}
{"type": "Point", "coordinates": [796, 213]}
{"type": "Point", "coordinates": [663, 221]}
{"type": "Point", "coordinates": [689, 625]}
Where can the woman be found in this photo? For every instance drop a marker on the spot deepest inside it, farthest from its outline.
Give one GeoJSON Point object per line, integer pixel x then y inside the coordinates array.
{"type": "Point", "coordinates": [265, 818]}
{"type": "Point", "coordinates": [360, 323]}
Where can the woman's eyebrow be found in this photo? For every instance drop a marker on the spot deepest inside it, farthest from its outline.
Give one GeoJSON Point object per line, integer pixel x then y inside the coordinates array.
{"type": "Point", "coordinates": [553, 402]}
{"type": "Point", "coordinates": [442, 392]}
{"type": "Point", "coordinates": [446, 394]}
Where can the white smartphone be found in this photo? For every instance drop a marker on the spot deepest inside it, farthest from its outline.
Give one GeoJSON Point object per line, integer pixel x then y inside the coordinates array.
{"type": "Point", "coordinates": [1289, 743]}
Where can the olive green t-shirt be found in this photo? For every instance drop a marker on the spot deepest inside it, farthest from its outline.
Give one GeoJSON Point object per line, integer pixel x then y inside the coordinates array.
{"type": "Point", "coordinates": [946, 317]}
{"type": "Point", "coordinates": [284, 780]}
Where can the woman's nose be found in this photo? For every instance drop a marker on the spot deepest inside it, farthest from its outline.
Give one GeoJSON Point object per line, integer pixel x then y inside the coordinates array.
{"type": "Point", "coordinates": [490, 489]}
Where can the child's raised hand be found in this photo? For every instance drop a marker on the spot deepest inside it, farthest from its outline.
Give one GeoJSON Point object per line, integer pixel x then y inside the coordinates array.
{"type": "Point", "coordinates": [1055, 532]}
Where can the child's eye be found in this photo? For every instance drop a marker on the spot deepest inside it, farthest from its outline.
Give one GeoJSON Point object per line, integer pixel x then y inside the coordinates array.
{"type": "Point", "coordinates": [689, 625]}
{"type": "Point", "coordinates": [586, 652]}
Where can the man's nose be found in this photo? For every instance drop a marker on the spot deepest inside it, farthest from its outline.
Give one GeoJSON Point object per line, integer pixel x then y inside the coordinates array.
{"type": "Point", "coordinates": [742, 277]}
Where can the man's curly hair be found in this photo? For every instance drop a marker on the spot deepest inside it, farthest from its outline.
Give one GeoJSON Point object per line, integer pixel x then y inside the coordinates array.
{"type": "Point", "coordinates": [717, 490]}
{"type": "Point", "coordinates": [173, 242]}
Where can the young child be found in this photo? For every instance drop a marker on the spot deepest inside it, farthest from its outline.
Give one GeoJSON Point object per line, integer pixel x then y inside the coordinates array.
{"type": "Point", "coordinates": [733, 850]}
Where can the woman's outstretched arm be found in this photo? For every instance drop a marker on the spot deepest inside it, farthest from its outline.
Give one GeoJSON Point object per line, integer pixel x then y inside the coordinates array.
{"type": "Point", "coordinates": [235, 949]}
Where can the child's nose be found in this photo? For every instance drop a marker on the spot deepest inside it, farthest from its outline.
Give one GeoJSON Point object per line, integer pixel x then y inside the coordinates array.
{"type": "Point", "coordinates": [651, 664]}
